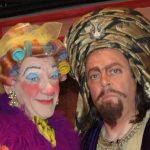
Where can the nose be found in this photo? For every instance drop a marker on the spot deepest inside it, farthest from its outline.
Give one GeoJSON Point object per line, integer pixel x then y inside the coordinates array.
{"type": "Point", "coordinates": [48, 89]}
{"type": "Point", "coordinates": [105, 81]}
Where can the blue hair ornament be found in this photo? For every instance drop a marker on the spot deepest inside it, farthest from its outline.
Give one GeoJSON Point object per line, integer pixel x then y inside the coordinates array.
{"type": "Point", "coordinates": [62, 54]}
{"type": "Point", "coordinates": [18, 54]}
{"type": "Point", "coordinates": [49, 48]}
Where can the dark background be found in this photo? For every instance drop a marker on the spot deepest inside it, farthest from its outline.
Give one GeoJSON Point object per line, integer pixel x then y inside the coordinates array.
{"type": "Point", "coordinates": [9, 8]}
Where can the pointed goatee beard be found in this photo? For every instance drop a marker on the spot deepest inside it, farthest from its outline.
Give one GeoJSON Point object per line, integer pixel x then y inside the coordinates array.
{"type": "Point", "coordinates": [110, 112]}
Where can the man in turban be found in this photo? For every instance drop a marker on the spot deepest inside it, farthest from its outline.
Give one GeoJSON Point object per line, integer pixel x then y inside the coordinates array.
{"type": "Point", "coordinates": [109, 52]}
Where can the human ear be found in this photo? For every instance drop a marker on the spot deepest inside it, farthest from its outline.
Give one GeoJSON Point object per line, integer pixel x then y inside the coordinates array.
{"type": "Point", "coordinates": [7, 88]}
{"type": "Point", "coordinates": [10, 86]}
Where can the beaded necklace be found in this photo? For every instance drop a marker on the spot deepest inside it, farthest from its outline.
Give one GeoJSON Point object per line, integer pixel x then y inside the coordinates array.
{"type": "Point", "coordinates": [105, 144]}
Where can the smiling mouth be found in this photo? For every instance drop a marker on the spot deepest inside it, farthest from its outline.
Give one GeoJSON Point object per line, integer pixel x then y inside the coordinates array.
{"type": "Point", "coordinates": [45, 102]}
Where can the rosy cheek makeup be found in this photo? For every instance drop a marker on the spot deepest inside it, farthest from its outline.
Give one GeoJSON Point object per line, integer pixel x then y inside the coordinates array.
{"type": "Point", "coordinates": [56, 87]}
{"type": "Point", "coordinates": [33, 89]}
{"type": "Point", "coordinates": [30, 89]}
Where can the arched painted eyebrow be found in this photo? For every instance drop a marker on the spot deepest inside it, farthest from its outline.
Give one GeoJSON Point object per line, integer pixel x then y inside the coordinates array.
{"type": "Point", "coordinates": [31, 67]}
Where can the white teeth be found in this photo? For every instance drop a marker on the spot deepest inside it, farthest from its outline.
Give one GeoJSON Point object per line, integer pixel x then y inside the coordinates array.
{"type": "Point", "coordinates": [49, 97]}
{"type": "Point", "coordinates": [45, 98]}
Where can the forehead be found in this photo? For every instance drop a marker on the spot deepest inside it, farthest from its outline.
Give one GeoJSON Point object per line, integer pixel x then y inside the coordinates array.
{"type": "Point", "coordinates": [35, 61]}
{"type": "Point", "coordinates": [105, 57]}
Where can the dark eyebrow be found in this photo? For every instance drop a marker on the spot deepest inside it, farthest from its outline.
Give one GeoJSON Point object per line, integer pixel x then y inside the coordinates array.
{"type": "Point", "coordinates": [31, 67]}
{"type": "Point", "coordinates": [96, 68]}
{"type": "Point", "coordinates": [93, 69]}
{"type": "Point", "coordinates": [113, 64]}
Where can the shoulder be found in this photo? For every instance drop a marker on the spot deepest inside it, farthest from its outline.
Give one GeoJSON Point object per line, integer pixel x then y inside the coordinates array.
{"type": "Point", "coordinates": [146, 134]}
{"type": "Point", "coordinates": [147, 124]}
{"type": "Point", "coordinates": [66, 136]}
{"type": "Point", "coordinates": [12, 117]}
{"type": "Point", "coordinates": [16, 130]}
{"type": "Point", "coordinates": [89, 138]}
{"type": "Point", "coordinates": [59, 120]}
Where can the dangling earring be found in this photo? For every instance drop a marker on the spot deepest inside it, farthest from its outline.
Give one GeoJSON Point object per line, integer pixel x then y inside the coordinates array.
{"type": "Point", "coordinates": [57, 102]}
{"type": "Point", "coordinates": [13, 99]}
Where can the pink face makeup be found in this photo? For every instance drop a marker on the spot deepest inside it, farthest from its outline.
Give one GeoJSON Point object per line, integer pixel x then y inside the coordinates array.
{"type": "Point", "coordinates": [38, 86]}
{"type": "Point", "coordinates": [35, 88]}
{"type": "Point", "coordinates": [32, 91]}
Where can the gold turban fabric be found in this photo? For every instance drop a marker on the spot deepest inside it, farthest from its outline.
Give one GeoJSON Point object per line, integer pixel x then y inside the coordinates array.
{"type": "Point", "coordinates": [123, 29]}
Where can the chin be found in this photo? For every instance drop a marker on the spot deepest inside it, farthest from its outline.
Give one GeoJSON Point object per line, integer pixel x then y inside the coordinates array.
{"type": "Point", "coordinates": [46, 115]}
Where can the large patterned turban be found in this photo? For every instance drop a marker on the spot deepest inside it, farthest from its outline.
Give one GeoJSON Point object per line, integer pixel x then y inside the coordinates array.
{"type": "Point", "coordinates": [120, 28]}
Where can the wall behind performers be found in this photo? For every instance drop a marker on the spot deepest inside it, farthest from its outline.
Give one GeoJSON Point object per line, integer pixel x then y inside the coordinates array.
{"type": "Point", "coordinates": [68, 98]}
{"type": "Point", "coordinates": [4, 25]}
{"type": "Point", "coordinates": [68, 15]}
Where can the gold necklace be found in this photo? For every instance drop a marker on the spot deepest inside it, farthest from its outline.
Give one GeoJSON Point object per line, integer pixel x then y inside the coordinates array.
{"type": "Point", "coordinates": [104, 144]}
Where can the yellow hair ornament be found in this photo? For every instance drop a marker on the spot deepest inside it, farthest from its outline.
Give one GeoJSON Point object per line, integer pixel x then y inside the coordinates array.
{"type": "Point", "coordinates": [63, 67]}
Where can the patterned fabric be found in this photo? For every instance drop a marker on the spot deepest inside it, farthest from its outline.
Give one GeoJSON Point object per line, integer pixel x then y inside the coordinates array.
{"type": "Point", "coordinates": [89, 139]}
{"type": "Point", "coordinates": [120, 28]}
